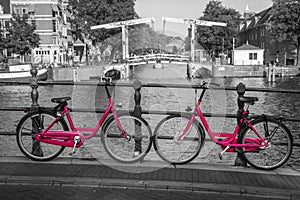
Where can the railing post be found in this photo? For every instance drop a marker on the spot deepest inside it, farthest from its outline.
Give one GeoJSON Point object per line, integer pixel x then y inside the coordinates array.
{"type": "Point", "coordinates": [137, 112]}
{"type": "Point", "coordinates": [241, 88]}
{"type": "Point", "coordinates": [34, 85]}
{"type": "Point", "coordinates": [188, 71]}
{"type": "Point", "coordinates": [273, 73]}
{"type": "Point", "coordinates": [36, 147]}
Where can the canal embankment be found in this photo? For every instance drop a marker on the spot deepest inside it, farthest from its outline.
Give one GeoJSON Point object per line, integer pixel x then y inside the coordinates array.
{"type": "Point", "coordinates": [200, 71]}
{"type": "Point", "coordinates": [253, 71]}
{"type": "Point", "coordinates": [76, 73]}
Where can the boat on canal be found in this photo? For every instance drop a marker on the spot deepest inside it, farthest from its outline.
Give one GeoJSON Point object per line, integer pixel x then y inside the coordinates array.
{"type": "Point", "coordinates": [21, 72]}
{"type": "Point", "coordinates": [115, 70]}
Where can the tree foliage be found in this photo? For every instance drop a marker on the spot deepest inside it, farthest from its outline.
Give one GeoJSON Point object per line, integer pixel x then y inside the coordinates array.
{"type": "Point", "coordinates": [285, 22]}
{"type": "Point", "coordinates": [21, 36]}
{"type": "Point", "coordinates": [2, 45]}
{"type": "Point", "coordinates": [95, 12]}
{"type": "Point", "coordinates": [2, 41]}
{"type": "Point", "coordinates": [218, 39]}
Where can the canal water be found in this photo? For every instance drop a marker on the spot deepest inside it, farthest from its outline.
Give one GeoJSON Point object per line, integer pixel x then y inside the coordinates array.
{"type": "Point", "coordinates": [159, 99]}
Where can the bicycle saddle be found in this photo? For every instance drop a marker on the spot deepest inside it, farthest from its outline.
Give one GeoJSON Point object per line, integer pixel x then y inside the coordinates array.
{"type": "Point", "coordinates": [249, 100]}
{"type": "Point", "coordinates": [60, 99]}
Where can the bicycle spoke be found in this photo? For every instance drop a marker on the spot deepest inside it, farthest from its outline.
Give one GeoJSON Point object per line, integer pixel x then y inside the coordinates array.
{"type": "Point", "coordinates": [122, 149]}
{"type": "Point", "coordinates": [172, 150]}
{"type": "Point", "coordinates": [31, 124]}
{"type": "Point", "coordinates": [278, 149]}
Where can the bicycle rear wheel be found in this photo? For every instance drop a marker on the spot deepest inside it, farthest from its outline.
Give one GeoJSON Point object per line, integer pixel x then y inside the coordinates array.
{"type": "Point", "coordinates": [28, 127]}
{"type": "Point", "coordinates": [121, 149]}
{"type": "Point", "coordinates": [178, 152]}
{"type": "Point", "coordinates": [279, 148]}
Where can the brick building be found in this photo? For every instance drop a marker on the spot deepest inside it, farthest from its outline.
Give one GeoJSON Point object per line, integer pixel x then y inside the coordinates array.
{"type": "Point", "coordinates": [253, 30]}
{"type": "Point", "coordinates": [4, 19]}
{"type": "Point", "coordinates": [52, 25]}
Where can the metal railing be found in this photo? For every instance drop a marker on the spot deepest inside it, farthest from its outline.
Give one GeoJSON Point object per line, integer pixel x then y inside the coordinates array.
{"type": "Point", "coordinates": [137, 85]}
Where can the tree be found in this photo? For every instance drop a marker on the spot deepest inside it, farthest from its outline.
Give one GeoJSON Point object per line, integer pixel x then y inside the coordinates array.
{"type": "Point", "coordinates": [285, 22]}
{"type": "Point", "coordinates": [218, 39]}
{"type": "Point", "coordinates": [142, 37]}
{"type": "Point", "coordinates": [21, 38]}
{"type": "Point", "coordinates": [2, 44]}
{"type": "Point", "coordinates": [95, 12]}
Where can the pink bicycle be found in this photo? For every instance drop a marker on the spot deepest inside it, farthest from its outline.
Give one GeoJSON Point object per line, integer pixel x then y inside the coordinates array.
{"type": "Point", "coordinates": [43, 134]}
{"type": "Point", "coordinates": [264, 142]}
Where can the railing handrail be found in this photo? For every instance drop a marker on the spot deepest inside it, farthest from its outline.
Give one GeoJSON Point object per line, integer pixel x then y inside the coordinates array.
{"type": "Point", "coordinates": [152, 84]}
{"type": "Point", "coordinates": [149, 112]}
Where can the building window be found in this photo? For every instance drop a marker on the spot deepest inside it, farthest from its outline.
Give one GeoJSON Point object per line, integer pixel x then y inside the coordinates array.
{"type": "Point", "coordinates": [252, 56]}
{"type": "Point", "coordinates": [262, 32]}
{"type": "Point", "coordinates": [33, 22]}
{"type": "Point", "coordinates": [262, 45]}
{"type": "Point", "coordinates": [17, 11]}
{"type": "Point", "coordinates": [54, 40]}
{"type": "Point", "coordinates": [6, 24]}
{"type": "Point", "coordinates": [54, 25]}
{"type": "Point", "coordinates": [25, 11]}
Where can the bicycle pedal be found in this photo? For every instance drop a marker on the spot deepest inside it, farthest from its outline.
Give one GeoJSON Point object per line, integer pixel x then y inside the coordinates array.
{"type": "Point", "coordinates": [226, 148]}
{"type": "Point", "coordinates": [76, 141]}
{"type": "Point", "coordinates": [72, 153]}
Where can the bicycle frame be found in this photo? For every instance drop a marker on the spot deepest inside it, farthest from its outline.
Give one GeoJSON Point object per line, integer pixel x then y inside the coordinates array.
{"type": "Point", "coordinates": [229, 141]}
{"type": "Point", "coordinates": [67, 138]}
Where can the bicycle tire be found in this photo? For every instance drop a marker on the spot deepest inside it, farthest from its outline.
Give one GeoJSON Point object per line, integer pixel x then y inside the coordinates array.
{"type": "Point", "coordinates": [165, 145]}
{"type": "Point", "coordinates": [121, 149]}
{"type": "Point", "coordinates": [278, 151]}
{"type": "Point", "coordinates": [26, 132]}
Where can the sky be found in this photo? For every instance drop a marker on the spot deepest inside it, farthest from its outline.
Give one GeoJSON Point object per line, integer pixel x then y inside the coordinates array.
{"type": "Point", "coordinates": [192, 9]}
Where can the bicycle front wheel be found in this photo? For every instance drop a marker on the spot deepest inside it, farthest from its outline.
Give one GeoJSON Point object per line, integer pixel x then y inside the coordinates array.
{"type": "Point", "coordinates": [27, 128]}
{"type": "Point", "coordinates": [122, 149]}
{"type": "Point", "coordinates": [278, 150]}
{"type": "Point", "coordinates": [178, 152]}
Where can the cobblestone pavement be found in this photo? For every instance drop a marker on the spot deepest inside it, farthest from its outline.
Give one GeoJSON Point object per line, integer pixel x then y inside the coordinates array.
{"type": "Point", "coordinates": [88, 179]}
{"type": "Point", "coordinates": [29, 192]}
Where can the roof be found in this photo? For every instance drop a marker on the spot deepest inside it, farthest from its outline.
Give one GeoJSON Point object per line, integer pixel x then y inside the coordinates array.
{"type": "Point", "coordinates": [248, 47]}
{"type": "Point", "coordinates": [256, 20]}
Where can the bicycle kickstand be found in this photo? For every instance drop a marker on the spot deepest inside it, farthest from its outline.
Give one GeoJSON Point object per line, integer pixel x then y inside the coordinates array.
{"type": "Point", "coordinates": [220, 154]}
